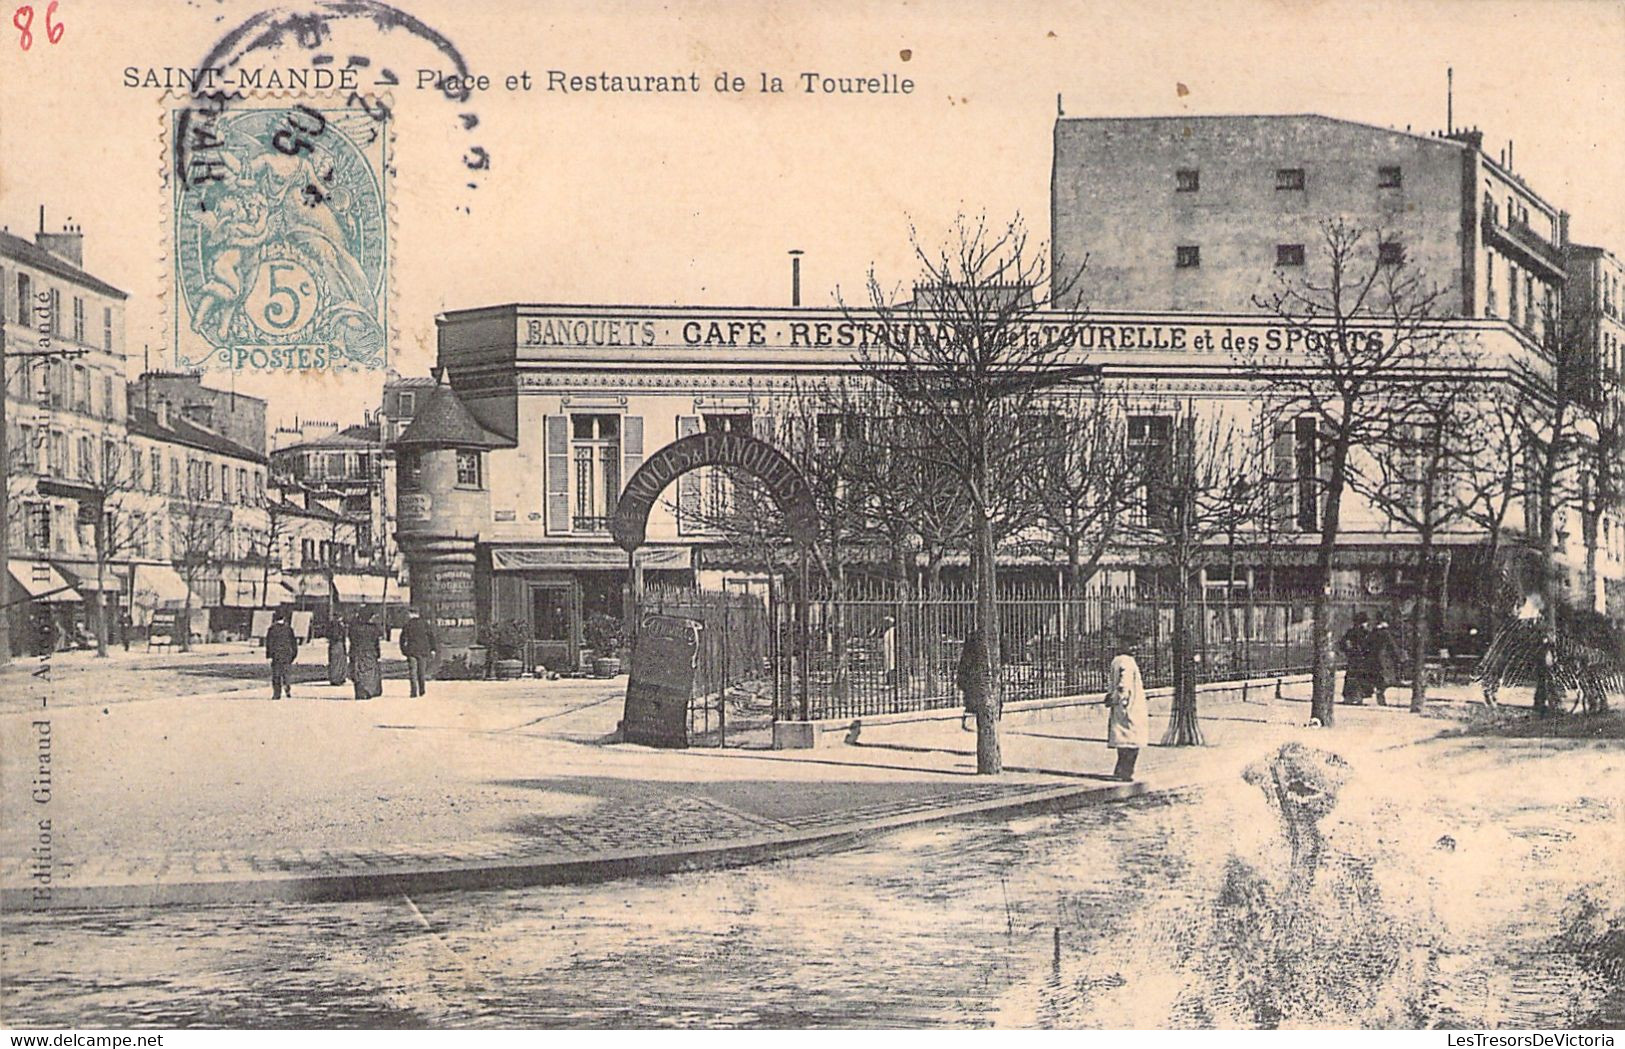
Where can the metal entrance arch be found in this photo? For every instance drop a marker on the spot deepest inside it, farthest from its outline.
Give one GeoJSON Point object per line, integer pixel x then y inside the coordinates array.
{"type": "Point", "coordinates": [784, 482]}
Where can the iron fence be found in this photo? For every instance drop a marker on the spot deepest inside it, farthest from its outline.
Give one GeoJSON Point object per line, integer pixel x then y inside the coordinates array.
{"type": "Point", "coordinates": [878, 651]}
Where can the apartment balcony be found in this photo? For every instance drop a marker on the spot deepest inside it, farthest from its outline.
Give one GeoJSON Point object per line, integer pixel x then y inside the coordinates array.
{"type": "Point", "coordinates": [1519, 241]}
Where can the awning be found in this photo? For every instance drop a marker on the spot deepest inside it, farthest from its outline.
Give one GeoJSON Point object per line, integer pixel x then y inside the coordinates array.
{"type": "Point", "coordinates": [244, 592]}
{"type": "Point", "coordinates": [568, 557]}
{"type": "Point", "coordinates": [42, 582]}
{"type": "Point", "coordinates": [158, 586]}
{"type": "Point", "coordinates": [83, 576]}
{"type": "Point", "coordinates": [356, 589]}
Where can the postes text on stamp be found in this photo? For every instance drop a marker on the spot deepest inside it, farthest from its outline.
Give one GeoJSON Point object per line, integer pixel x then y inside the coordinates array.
{"type": "Point", "coordinates": [280, 236]}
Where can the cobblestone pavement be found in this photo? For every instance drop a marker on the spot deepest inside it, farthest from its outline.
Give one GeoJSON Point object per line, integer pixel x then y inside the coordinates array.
{"type": "Point", "coordinates": [227, 788]}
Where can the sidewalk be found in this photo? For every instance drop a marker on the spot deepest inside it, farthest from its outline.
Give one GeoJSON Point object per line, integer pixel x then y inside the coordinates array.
{"type": "Point", "coordinates": [231, 797]}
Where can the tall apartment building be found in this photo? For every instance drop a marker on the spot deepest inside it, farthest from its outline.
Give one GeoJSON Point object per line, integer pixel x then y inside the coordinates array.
{"type": "Point", "coordinates": [235, 416]}
{"type": "Point", "coordinates": [1201, 214]}
{"type": "Point", "coordinates": [64, 415]}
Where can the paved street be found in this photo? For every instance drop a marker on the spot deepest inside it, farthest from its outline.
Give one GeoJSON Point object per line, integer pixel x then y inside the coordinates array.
{"type": "Point", "coordinates": [1004, 918]}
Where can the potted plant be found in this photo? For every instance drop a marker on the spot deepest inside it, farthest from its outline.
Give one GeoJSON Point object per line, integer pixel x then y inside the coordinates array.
{"type": "Point", "coordinates": [604, 636]}
{"type": "Point", "coordinates": [506, 641]}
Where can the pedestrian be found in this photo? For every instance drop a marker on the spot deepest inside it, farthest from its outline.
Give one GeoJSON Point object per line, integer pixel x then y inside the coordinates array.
{"type": "Point", "coordinates": [1129, 726]}
{"type": "Point", "coordinates": [338, 656]}
{"type": "Point", "coordinates": [419, 645]}
{"type": "Point", "coordinates": [972, 677]}
{"type": "Point", "coordinates": [1548, 692]}
{"type": "Point", "coordinates": [1384, 661]}
{"type": "Point", "coordinates": [281, 648]}
{"type": "Point", "coordinates": [124, 628]}
{"type": "Point", "coordinates": [364, 656]}
{"type": "Point", "coordinates": [1358, 677]}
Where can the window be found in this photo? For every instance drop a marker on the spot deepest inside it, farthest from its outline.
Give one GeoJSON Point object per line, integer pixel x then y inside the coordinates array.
{"type": "Point", "coordinates": [81, 389]}
{"type": "Point", "coordinates": [596, 464]}
{"type": "Point", "coordinates": [1489, 284]}
{"type": "Point", "coordinates": [1306, 460]}
{"type": "Point", "coordinates": [259, 487]}
{"type": "Point", "coordinates": [78, 318]}
{"type": "Point", "coordinates": [175, 476]}
{"type": "Point", "coordinates": [25, 300]}
{"type": "Point", "coordinates": [25, 379]}
{"type": "Point", "coordinates": [468, 469]}
{"type": "Point", "coordinates": [107, 328]}
{"type": "Point", "coordinates": [27, 454]}
{"type": "Point", "coordinates": [1390, 253]}
{"type": "Point", "coordinates": [411, 471]}
{"type": "Point", "coordinates": [406, 404]}
{"type": "Point", "coordinates": [1289, 178]}
{"type": "Point", "coordinates": [110, 463]}
{"type": "Point", "coordinates": [1187, 180]}
{"type": "Point", "coordinates": [107, 398]}
{"type": "Point", "coordinates": [1289, 254]}
{"type": "Point", "coordinates": [307, 551]}
{"type": "Point", "coordinates": [843, 426]}
{"type": "Point", "coordinates": [1187, 256]}
{"type": "Point", "coordinates": [58, 452]}
{"type": "Point", "coordinates": [137, 470]}
{"type": "Point", "coordinates": [87, 458]}
{"type": "Point", "coordinates": [242, 485]}
{"type": "Point", "coordinates": [39, 526]}
{"type": "Point", "coordinates": [56, 311]}
{"type": "Point", "coordinates": [1150, 445]}
{"type": "Point", "coordinates": [1389, 177]}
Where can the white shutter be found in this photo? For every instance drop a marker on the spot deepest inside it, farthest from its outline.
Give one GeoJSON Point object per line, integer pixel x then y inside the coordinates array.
{"type": "Point", "coordinates": [688, 485]}
{"type": "Point", "coordinates": [631, 446]}
{"type": "Point", "coordinates": [556, 430]}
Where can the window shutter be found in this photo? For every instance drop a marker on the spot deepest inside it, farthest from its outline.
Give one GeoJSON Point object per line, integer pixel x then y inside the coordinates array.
{"type": "Point", "coordinates": [631, 446]}
{"type": "Point", "coordinates": [1284, 472]}
{"type": "Point", "coordinates": [688, 485]}
{"type": "Point", "coordinates": [557, 438]}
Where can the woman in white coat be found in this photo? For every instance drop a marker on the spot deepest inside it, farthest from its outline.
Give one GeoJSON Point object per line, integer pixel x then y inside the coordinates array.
{"type": "Point", "coordinates": [1129, 728]}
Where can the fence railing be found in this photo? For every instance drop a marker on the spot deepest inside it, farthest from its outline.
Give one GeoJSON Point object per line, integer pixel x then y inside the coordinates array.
{"type": "Point", "coordinates": [872, 652]}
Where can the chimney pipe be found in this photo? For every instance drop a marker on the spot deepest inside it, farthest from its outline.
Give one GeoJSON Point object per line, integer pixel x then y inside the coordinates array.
{"type": "Point", "coordinates": [1509, 154]}
{"type": "Point", "coordinates": [795, 276]}
{"type": "Point", "coordinates": [1450, 100]}
{"type": "Point", "coordinates": [42, 218]}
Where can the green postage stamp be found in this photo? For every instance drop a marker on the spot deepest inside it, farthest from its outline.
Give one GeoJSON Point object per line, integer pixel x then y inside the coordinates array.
{"type": "Point", "coordinates": [280, 233]}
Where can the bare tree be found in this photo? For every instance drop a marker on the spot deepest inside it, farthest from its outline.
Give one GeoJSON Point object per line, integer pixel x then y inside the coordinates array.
{"type": "Point", "coordinates": [1080, 484]}
{"type": "Point", "coordinates": [113, 487]}
{"type": "Point", "coordinates": [1360, 319]}
{"type": "Point", "coordinates": [198, 535]}
{"type": "Point", "coordinates": [1201, 475]}
{"type": "Point", "coordinates": [1414, 473]}
{"type": "Point", "coordinates": [967, 369]}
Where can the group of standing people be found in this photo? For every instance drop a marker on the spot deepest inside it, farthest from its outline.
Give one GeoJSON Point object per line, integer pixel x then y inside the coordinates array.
{"type": "Point", "coordinates": [1370, 661]}
{"type": "Point", "coordinates": [354, 653]}
{"type": "Point", "coordinates": [1128, 725]}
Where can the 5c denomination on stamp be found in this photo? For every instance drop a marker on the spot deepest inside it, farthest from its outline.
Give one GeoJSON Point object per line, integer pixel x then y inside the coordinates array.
{"type": "Point", "coordinates": [280, 213]}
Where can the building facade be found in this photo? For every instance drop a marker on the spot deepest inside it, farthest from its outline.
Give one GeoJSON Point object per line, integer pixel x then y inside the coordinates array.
{"type": "Point", "coordinates": [511, 472]}
{"type": "Point", "coordinates": [65, 418]}
{"type": "Point", "coordinates": [1210, 213]}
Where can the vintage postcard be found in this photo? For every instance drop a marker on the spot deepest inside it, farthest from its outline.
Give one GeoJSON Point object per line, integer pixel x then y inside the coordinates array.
{"type": "Point", "coordinates": [867, 514]}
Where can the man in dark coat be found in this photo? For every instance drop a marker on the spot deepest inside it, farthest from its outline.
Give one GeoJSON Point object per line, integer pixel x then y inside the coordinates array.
{"type": "Point", "coordinates": [281, 648]}
{"type": "Point", "coordinates": [364, 655]}
{"type": "Point", "coordinates": [972, 677]}
{"type": "Point", "coordinates": [418, 645]}
{"type": "Point", "coordinates": [1358, 676]}
{"type": "Point", "coordinates": [1384, 661]}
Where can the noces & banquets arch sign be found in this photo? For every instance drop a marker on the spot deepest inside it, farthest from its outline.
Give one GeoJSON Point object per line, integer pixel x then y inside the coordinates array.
{"type": "Point", "coordinates": [735, 450]}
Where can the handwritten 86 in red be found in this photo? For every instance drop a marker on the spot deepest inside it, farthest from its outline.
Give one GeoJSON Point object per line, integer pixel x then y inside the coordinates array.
{"type": "Point", "coordinates": [23, 19]}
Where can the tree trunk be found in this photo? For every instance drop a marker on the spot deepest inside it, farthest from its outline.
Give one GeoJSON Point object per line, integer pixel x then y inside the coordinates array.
{"type": "Point", "coordinates": [1421, 622]}
{"type": "Point", "coordinates": [1324, 687]}
{"type": "Point", "coordinates": [989, 762]}
{"type": "Point", "coordinates": [100, 604]}
{"type": "Point", "coordinates": [1184, 730]}
{"type": "Point", "coordinates": [1071, 624]}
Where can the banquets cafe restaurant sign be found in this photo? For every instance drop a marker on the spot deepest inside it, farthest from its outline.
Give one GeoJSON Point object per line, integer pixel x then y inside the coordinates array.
{"type": "Point", "coordinates": [808, 331]}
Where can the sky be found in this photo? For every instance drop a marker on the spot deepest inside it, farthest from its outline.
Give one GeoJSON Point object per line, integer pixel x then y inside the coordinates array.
{"type": "Point", "coordinates": [694, 199]}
